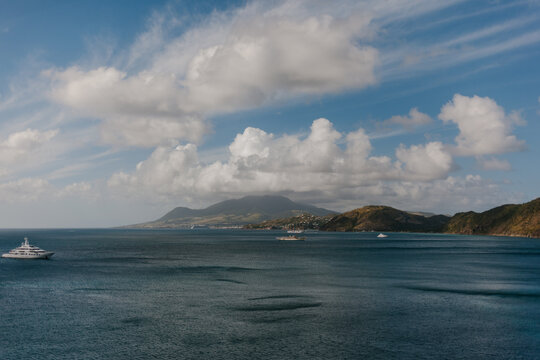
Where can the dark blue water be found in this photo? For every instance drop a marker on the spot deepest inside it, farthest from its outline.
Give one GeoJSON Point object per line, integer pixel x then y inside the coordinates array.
{"type": "Point", "coordinates": [204, 294]}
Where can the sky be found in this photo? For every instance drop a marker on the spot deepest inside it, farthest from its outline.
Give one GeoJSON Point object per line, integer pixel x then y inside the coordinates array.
{"type": "Point", "coordinates": [113, 113]}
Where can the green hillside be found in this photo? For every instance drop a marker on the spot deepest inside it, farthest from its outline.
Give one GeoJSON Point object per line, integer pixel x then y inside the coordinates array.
{"type": "Point", "coordinates": [384, 218]}
{"type": "Point", "coordinates": [247, 210]}
{"type": "Point", "coordinates": [507, 220]}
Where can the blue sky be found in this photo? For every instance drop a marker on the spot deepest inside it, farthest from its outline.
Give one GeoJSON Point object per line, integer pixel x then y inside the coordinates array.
{"type": "Point", "coordinates": [113, 113]}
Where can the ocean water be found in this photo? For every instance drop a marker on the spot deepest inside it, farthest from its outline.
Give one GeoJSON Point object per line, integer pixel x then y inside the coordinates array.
{"type": "Point", "coordinates": [231, 294]}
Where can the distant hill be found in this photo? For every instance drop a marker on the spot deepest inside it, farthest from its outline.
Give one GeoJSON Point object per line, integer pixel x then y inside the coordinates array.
{"type": "Point", "coordinates": [384, 218]}
{"type": "Point", "coordinates": [249, 209]}
{"type": "Point", "coordinates": [507, 220]}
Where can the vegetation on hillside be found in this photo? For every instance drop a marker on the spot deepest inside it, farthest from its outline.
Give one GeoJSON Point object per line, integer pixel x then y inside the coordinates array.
{"type": "Point", "coordinates": [384, 218]}
{"type": "Point", "coordinates": [301, 222]}
{"type": "Point", "coordinates": [235, 212]}
{"type": "Point", "coordinates": [507, 220]}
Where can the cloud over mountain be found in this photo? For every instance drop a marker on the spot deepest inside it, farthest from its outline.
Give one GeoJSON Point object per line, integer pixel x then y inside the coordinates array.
{"type": "Point", "coordinates": [261, 162]}
{"type": "Point", "coordinates": [326, 162]}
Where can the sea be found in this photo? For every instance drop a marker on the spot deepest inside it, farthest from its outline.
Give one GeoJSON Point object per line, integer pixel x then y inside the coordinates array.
{"type": "Point", "coordinates": [239, 294]}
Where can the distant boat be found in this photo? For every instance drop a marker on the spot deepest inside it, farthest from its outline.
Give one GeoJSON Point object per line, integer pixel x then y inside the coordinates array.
{"type": "Point", "coordinates": [27, 251]}
{"type": "Point", "coordinates": [295, 231]}
{"type": "Point", "coordinates": [291, 238]}
{"type": "Point", "coordinates": [197, 227]}
{"type": "Point", "coordinates": [381, 235]}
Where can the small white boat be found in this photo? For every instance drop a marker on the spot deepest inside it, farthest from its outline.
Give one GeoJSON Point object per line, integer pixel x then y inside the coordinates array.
{"type": "Point", "coordinates": [291, 238]}
{"type": "Point", "coordinates": [27, 251]}
{"type": "Point", "coordinates": [295, 231]}
{"type": "Point", "coordinates": [381, 235]}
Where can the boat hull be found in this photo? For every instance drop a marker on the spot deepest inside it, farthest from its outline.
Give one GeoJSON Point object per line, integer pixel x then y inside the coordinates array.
{"type": "Point", "coordinates": [44, 256]}
{"type": "Point", "coordinates": [290, 238]}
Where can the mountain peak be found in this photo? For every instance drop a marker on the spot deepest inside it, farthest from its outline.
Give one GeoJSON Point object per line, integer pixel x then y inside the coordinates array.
{"type": "Point", "coordinates": [248, 209]}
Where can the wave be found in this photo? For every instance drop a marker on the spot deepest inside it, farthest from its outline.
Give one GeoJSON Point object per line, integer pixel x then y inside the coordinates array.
{"type": "Point", "coordinates": [231, 281]}
{"type": "Point", "coordinates": [478, 292]}
{"type": "Point", "coordinates": [279, 307]}
{"type": "Point", "coordinates": [278, 297]}
{"type": "Point", "coordinates": [209, 269]}
{"type": "Point", "coordinates": [280, 319]}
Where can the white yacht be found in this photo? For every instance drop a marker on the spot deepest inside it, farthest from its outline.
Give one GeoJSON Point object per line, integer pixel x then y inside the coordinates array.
{"type": "Point", "coordinates": [381, 235]}
{"type": "Point", "coordinates": [27, 251]}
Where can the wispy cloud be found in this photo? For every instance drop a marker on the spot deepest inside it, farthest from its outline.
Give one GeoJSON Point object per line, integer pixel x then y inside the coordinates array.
{"type": "Point", "coordinates": [491, 31]}
{"type": "Point", "coordinates": [494, 8]}
{"type": "Point", "coordinates": [434, 51]}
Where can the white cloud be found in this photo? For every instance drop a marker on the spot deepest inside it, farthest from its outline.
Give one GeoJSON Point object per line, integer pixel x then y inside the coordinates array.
{"type": "Point", "coordinates": [141, 110]}
{"type": "Point", "coordinates": [25, 190]}
{"type": "Point", "coordinates": [493, 163]}
{"type": "Point", "coordinates": [258, 58]}
{"type": "Point", "coordinates": [325, 167]}
{"type": "Point", "coordinates": [444, 196]}
{"type": "Point", "coordinates": [32, 189]}
{"type": "Point", "coordinates": [487, 32]}
{"type": "Point", "coordinates": [260, 162]}
{"type": "Point", "coordinates": [471, 192]}
{"type": "Point", "coordinates": [346, 178]}
{"type": "Point", "coordinates": [150, 41]}
{"type": "Point", "coordinates": [484, 127]}
{"type": "Point", "coordinates": [19, 146]}
{"type": "Point", "coordinates": [426, 162]}
{"type": "Point", "coordinates": [256, 63]}
{"type": "Point", "coordinates": [412, 55]}
{"type": "Point", "coordinates": [35, 202]}
{"type": "Point", "coordinates": [165, 86]}
{"type": "Point", "coordinates": [79, 190]}
{"type": "Point", "coordinates": [415, 118]}
{"type": "Point", "coordinates": [253, 142]}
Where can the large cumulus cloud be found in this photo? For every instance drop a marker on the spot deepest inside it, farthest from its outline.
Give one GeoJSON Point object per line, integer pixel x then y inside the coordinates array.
{"type": "Point", "coordinates": [262, 162]}
{"type": "Point", "coordinates": [484, 127]}
{"type": "Point", "coordinates": [257, 59]}
{"type": "Point", "coordinates": [326, 165]}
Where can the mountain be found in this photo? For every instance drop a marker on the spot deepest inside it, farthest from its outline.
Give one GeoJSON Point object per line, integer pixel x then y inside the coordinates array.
{"type": "Point", "coordinates": [507, 220]}
{"type": "Point", "coordinates": [384, 218]}
{"type": "Point", "coordinates": [249, 209]}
